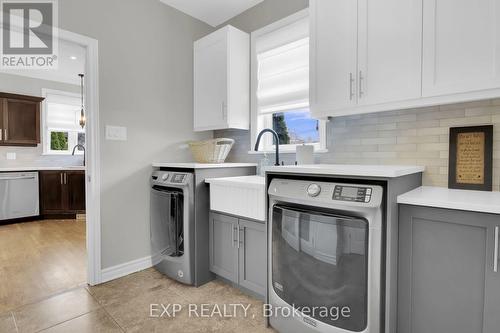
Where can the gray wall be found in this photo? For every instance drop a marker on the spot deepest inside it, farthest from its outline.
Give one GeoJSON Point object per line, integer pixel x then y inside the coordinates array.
{"type": "Point", "coordinates": [32, 156]}
{"type": "Point", "coordinates": [265, 13]}
{"type": "Point", "coordinates": [145, 84]}
{"type": "Point", "coordinates": [417, 136]}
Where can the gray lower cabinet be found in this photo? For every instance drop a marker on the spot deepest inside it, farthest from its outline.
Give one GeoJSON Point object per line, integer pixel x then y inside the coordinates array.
{"type": "Point", "coordinates": [449, 281]}
{"type": "Point", "coordinates": [238, 251]}
{"type": "Point", "coordinates": [252, 256]}
{"type": "Point", "coordinates": [222, 245]}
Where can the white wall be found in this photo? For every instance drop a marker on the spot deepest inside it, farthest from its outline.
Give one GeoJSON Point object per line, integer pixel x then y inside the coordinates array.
{"type": "Point", "coordinates": [32, 156]}
{"type": "Point", "coordinates": [145, 84]}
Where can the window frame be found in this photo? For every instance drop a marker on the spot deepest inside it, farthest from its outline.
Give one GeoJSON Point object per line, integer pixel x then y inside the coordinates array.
{"type": "Point", "coordinates": [259, 122]}
{"type": "Point", "coordinates": [45, 131]}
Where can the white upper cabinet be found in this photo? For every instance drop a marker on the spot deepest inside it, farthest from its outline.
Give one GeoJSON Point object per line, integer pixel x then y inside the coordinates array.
{"type": "Point", "coordinates": [364, 53]}
{"type": "Point", "coordinates": [221, 80]}
{"type": "Point", "coordinates": [461, 46]}
{"type": "Point", "coordinates": [333, 54]}
{"type": "Point", "coordinates": [389, 50]}
{"type": "Point", "coordinates": [403, 54]}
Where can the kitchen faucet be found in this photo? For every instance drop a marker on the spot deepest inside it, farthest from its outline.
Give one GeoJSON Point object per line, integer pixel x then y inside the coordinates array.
{"type": "Point", "coordinates": [276, 137]}
{"type": "Point", "coordinates": [83, 148]}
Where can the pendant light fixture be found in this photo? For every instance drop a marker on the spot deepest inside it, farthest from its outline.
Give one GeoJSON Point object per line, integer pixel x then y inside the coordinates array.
{"type": "Point", "coordinates": [82, 112]}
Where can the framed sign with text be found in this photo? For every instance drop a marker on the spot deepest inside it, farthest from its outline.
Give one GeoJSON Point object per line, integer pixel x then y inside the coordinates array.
{"type": "Point", "coordinates": [471, 158]}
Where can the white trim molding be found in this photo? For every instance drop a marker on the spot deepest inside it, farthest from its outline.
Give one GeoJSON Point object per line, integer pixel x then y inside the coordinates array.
{"type": "Point", "coordinates": [118, 271]}
{"type": "Point", "coordinates": [93, 175]}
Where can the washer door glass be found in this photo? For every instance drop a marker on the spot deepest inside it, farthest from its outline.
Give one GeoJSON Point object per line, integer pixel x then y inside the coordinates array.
{"type": "Point", "coordinates": [320, 261]}
{"type": "Point", "coordinates": [166, 228]}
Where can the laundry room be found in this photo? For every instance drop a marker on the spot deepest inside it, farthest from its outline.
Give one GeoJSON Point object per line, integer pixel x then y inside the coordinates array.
{"type": "Point", "coordinates": [291, 166]}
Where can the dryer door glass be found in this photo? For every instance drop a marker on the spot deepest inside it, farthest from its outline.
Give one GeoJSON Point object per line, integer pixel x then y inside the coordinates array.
{"type": "Point", "coordinates": [320, 260]}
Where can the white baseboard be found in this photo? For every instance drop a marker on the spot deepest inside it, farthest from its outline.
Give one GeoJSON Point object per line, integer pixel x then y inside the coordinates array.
{"type": "Point", "coordinates": [118, 271]}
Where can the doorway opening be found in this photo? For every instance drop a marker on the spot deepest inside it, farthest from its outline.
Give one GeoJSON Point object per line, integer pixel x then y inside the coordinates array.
{"type": "Point", "coordinates": [50, 235]}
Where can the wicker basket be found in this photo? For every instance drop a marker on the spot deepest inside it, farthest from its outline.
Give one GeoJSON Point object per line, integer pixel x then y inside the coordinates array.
{"type": "Point", "coordinates": [211, 151]}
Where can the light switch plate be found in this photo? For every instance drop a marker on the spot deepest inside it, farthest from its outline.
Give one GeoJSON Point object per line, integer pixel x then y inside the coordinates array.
{"type": "Point", "coordinates": [116, 133]}
{"type": "Point", "coordinates": [11, 156]}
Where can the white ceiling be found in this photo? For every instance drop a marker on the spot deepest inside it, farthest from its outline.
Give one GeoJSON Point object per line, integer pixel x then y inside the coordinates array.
{"type": "Point", "coordinates": [213, 12]}
{"type": "Point", "coordinates": [71, 62]}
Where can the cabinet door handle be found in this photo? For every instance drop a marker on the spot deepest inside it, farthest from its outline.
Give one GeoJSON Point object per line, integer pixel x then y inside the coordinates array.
{"type": "Point", "coordinates": [232, 234]}
{"type": "Point", "coordinates": [61, 178]}
{"type": "Point", "coordinates": [495, 255]}
{"type": "Point", "coordinates": [238, 237]}
{"type": "Point", "coordinates": [351, 86]}
{"type": "Point", "coordinates": [242, 240]}
{"type": "Point", "coordinates": [65, 178]}
{"type": "Point", "coordinates": [5, 134]}
{"type": "Point", "coordinates": [361, 78]}
{"type": "Point", "coordinates": [1, 134]}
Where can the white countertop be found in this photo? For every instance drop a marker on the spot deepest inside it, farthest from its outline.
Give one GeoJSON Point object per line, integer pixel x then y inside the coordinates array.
{"type": "Point", "coordinates": [379, 171]}
{"type": "Point", "coordinates": [201, 165]}
{"type": "Point", "coordinates": [441, 197]}
{"type": "Point", "coordinates": [41, 168]}
{"type": "Point", "coordinates": [244, 181]}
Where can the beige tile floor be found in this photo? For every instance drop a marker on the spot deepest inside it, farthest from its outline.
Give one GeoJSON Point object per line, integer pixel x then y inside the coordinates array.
{"type": "Point", "coordinates": [123, 305]}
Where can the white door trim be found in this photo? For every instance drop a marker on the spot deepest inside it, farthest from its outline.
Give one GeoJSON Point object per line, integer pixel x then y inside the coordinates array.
{"type": "Point", "coordinates": [93, 175]}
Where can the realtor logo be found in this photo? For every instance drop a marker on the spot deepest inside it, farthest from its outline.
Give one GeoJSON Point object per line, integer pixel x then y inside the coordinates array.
{"type": "Point", "coordinates": [29, 34]}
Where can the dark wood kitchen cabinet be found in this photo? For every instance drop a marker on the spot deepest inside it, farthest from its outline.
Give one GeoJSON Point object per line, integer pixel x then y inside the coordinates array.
{"type": "Point", "coordinates": [19, 120]}
{"type": "Point", "coordinates": [75, 185]}
{"type": "Point", "coordinates": [62, 192]}
{"type": "Point", "coordinates": [51, 192]}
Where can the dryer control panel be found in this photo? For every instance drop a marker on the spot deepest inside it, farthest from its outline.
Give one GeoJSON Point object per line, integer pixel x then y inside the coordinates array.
{"type": "Point", "coordinates": [326, 194]}
{"type": "Point", "coordinates": [352, 193]}
{"type": "Point", "coordinates": [170, 178]}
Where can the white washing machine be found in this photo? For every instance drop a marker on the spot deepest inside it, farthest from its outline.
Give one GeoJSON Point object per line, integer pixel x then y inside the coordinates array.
{"type": "Point", "coordinates": [325, 256]}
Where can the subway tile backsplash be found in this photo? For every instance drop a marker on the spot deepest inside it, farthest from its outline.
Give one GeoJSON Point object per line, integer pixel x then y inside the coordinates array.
{"type": "Point", "coordinates": [416, 136]}
{"type": "Point", "coordinates": [33, 156]}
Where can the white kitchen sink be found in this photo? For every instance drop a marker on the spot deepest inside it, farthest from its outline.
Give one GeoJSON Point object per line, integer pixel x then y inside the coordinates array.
{"type": "Point", "coordinates": [241, 196]}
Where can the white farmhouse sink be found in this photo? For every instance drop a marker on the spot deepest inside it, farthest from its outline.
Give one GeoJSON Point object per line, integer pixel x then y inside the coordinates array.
{"type": "Point", "coordinates": [241, 196]}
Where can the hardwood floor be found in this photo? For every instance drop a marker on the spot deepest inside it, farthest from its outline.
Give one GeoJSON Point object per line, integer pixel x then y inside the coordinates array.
{"type": "Point", "coordinates": [39, 259]}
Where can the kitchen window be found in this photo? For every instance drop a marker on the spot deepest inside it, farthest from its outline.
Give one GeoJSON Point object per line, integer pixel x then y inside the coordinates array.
{"type": "Point", "coordinates": [61, 128]}
{"type": "Point", "coordinates": [280, 85]}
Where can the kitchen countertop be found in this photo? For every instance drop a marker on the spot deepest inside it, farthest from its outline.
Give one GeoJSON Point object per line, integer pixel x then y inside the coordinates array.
{"type": "Point", "coordinates": [41, 168]}
{"type": "Point", "coordinates": [441, 197]}
{"type": "Point", "coordinates": [379, 171]}
{"type": "Point", "coordinates": [201, 165]}
{"type": "Point", "coordinates": [244, 181]}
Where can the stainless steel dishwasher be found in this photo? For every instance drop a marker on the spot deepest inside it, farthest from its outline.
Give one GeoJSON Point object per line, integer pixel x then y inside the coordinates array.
{"type": "Point", "coordinates": [18, 195]}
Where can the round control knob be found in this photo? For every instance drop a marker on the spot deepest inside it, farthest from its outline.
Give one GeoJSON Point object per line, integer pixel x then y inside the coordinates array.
{"type": "Point", "coordinates": [313, 190]}
{"type": "Point", "coordinates": [164, 177]}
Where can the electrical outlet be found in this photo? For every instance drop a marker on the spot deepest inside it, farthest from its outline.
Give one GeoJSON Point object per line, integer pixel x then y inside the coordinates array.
{"type": "Point", "coordinates": [116, 133]}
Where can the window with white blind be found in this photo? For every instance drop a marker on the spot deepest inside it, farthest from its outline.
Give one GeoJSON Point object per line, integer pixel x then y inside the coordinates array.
{"type": "Point", "coordinates": [280, 85]}
{"type": "Point", "coordinates": [61, 128]}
